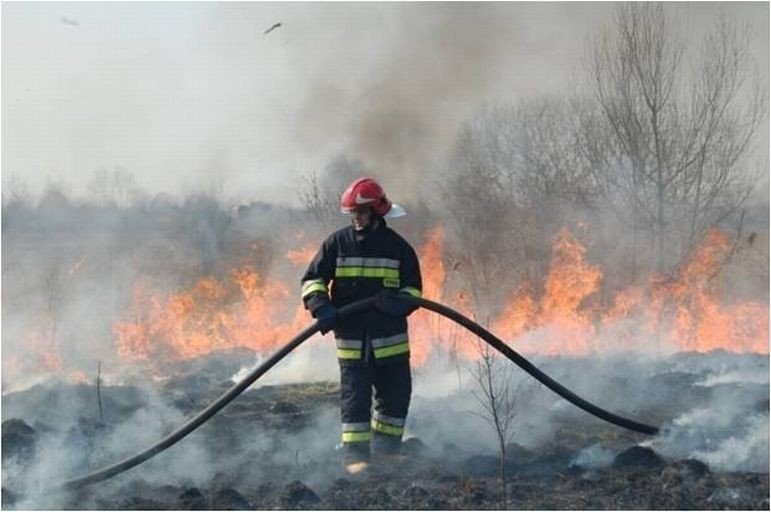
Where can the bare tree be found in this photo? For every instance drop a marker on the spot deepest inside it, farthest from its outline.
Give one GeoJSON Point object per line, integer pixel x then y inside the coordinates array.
{"type": "Point", "coordinates": [15, 190]}
{"type": "Point", "coordinates": [16, 202]}
{"type": "Point", "coordinates": [53, 291]}
{"type": "Point", "coordinates": [548, 164]}
{"type": "Point", "coordinates": [515, 175]}
{"type": "Point", "coordinates": [320, 194]}
{"type": "Point", "coordinates": [477, 201]}
{"type": "Point", "coordinates": [207, 222]}
{"type": "Point", "coordinates": [115, 188]}
{"type": "Point", "coordinates": [498, 399]}
{"type": "Point", "coordinates": [316, 201]}
{"type": "Point", "coordinates": [99, 391]}
{"type": "Point", "coordinates": [681, 135]}
{"type": "Point", "coordinates": [55, 211]}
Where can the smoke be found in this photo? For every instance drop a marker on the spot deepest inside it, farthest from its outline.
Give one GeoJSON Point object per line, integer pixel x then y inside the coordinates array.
{"type": "Point", "coordinates": [218, 102]}
{"type": "Point", "coordinates": [702, 398]}
{"type": "Point", "coordinates": [232, 449]}
{"type": "Point", "coordinates": [729, 431]}
{"type": "Point", "coordinates": [715, 409]}
{"type": "Point", "coordinates": [420, 84]}
{"type": "Point", "coordinates": [388, 84]}
{"type": "Point", "coordinates": [726, 440]}
{"type": "Point", "coordinates": [723, 424]}
{"type": "Point", "coordinates": [70, 442]}
{"type": "Point", "coordinates": [594, 457]}
{"type": "Point", "coordinates": [68, 279]}
{"type": "Point", "coordinates": [69, 272]}
{"type": "Point", "coordinates": [314, 361]}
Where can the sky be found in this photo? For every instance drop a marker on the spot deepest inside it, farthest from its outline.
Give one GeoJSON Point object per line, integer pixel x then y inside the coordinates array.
{"type": "Point", "coordinates": [195, 97]}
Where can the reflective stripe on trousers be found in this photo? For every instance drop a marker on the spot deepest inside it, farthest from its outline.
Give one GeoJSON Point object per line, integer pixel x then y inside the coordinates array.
{"type": "Point", "coordinates": [391, 345]}
{"type": "Point", "coordinates": [388, 425]}
{"type": "Point", "coordinates": [383, 412]}
{"type": "Point", "coordinates": [349, 349]}
{"type": "Point", "coordinates": [356, 433]}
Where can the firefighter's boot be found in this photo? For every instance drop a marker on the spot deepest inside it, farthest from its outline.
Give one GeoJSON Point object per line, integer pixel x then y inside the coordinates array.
{"type": "Point", "coordinates": [386, 450]}
{"type": "Point", "coordinates": [356, 457]}
{"type": "Point", "coordinates": [356, 468]}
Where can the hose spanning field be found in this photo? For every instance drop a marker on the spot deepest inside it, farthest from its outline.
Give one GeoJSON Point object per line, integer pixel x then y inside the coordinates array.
{"type": "Point", "coordinates": [356, 307]}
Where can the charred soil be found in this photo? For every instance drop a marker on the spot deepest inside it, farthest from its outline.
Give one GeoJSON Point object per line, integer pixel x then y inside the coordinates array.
{"type": "Point", "coordinates": [258, 458]}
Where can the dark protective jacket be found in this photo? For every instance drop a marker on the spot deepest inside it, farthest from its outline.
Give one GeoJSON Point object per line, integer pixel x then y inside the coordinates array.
{"type": "Point", "coordinates": [360, 264]}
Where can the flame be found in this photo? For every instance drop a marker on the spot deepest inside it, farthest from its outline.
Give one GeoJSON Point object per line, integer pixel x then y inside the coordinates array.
{"type": "Point", "coordinates": [518, 315]}
{"type": "Point", "coordinates": [682, 310]}
{"type": "Point", "coordinates": [302, 257]}
{"type": "Point", "coordinates": [431, 264]}
{"type": "Point", "coordinates": [78, 376]}
{"type": "Point", "coordinates": [245, 311]}
{"type": "Point", "coordinates": [428, 331]}
{"type": "Point", "coordinates": [559, 316]}
{"type": "Point", "coordinates": [44, 343]}
{"type": "Point", "coordinates": [685, 309]}
{"type": "Point", "coordinates": [42, 355]}
{"type": "Point", "coordinates": [247, 279]}
{"type": "Point", "coordinates": [423, 326]}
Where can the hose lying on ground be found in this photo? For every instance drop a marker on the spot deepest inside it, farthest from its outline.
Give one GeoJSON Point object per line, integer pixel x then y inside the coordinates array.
{"type": "Point", "coordinates": [343, 312]}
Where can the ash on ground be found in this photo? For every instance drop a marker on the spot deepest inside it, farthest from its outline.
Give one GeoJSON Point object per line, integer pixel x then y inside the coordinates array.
{"type": "Point", "coordinates": [274, 447]}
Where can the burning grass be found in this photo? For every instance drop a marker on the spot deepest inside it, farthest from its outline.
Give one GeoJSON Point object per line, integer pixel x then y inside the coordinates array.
{"type": "Point", "coordinates": [569, 312]}
{"type": "Point", "coordinates": [681, 311]}
{"type": "Point", "coordinates": [176, 347]}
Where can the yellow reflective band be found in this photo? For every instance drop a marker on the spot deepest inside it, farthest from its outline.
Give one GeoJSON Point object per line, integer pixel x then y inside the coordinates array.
{"type": "Point", "coordinates": [310, 282]}
{"type": "Point", "coordinates": [348, 353]}
{"type": "Point", "coordinates": [412, 291]}
{"type": "Point", "coordinates": [384, 428]}
{"type": "Point", "coordinates": [356, 437]}
{"type": "Point", "coordinates": [389, 341]}
{"type": "Point", "coordinates": [393, 350]}
{"type": "Point", "coordinates": [314, 287]}
{"type": "Point", "coordinates": [379, 272]}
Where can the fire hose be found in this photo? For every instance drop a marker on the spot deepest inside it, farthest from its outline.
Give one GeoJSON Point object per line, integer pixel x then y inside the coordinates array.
{"type": "Point", "coordinates": [345, 311]}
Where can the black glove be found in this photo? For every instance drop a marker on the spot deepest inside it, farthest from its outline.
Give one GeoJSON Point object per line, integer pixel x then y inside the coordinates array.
{"type": "Point", "coordinates": [388, 302]}
{"type": "Point", "coordinates": [326, 316]}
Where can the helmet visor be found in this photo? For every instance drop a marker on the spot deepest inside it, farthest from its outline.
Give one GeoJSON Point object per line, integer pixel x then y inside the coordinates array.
{"type": "Point", "coordinates": [395, 211]}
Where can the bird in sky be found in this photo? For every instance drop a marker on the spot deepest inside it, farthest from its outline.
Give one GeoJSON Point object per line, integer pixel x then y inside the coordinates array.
{"type": "Point", "coordinates": [68, 21]}
{"type": "Point", "coordinates": [275, 26]}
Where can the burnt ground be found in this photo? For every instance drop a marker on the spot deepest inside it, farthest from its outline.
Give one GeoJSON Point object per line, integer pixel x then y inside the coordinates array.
{"type": "Point", "coordinates": [273, 448]}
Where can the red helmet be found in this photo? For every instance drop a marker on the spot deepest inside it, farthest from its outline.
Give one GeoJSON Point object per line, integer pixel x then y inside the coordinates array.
{"type": "Point", "coordinates": [366, 191]}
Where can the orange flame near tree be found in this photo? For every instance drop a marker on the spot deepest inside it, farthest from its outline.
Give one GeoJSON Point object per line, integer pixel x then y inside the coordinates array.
{"type": "Point", "coordinates": [685, 309]}
{"type": "Point", "coordinates": [682, 311]}
{"type": "Point", "coordinates": [212, 315]}
{"type": "Point", "coordinates": [569, 283]}
{"type": "Point", "coordinates": [303, 256]}
{"type": "Point", "coordinates": [45, 345]}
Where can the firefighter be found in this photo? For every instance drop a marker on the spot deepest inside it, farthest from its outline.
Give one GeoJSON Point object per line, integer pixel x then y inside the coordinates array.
{"type": "Point", "coordinates": [367, 258]}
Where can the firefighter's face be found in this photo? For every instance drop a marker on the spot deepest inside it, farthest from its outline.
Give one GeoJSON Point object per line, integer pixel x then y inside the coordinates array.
{"type": "Point", "coordinates": [361, 217]}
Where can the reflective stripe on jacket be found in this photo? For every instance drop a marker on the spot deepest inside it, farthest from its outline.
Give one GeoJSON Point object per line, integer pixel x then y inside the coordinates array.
{"type": "Point", "coordinates": [359, 265]}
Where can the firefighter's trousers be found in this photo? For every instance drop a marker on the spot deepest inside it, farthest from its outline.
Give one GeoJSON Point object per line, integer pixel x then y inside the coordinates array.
{"type": "Point", "coordinates": [383, 427]}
